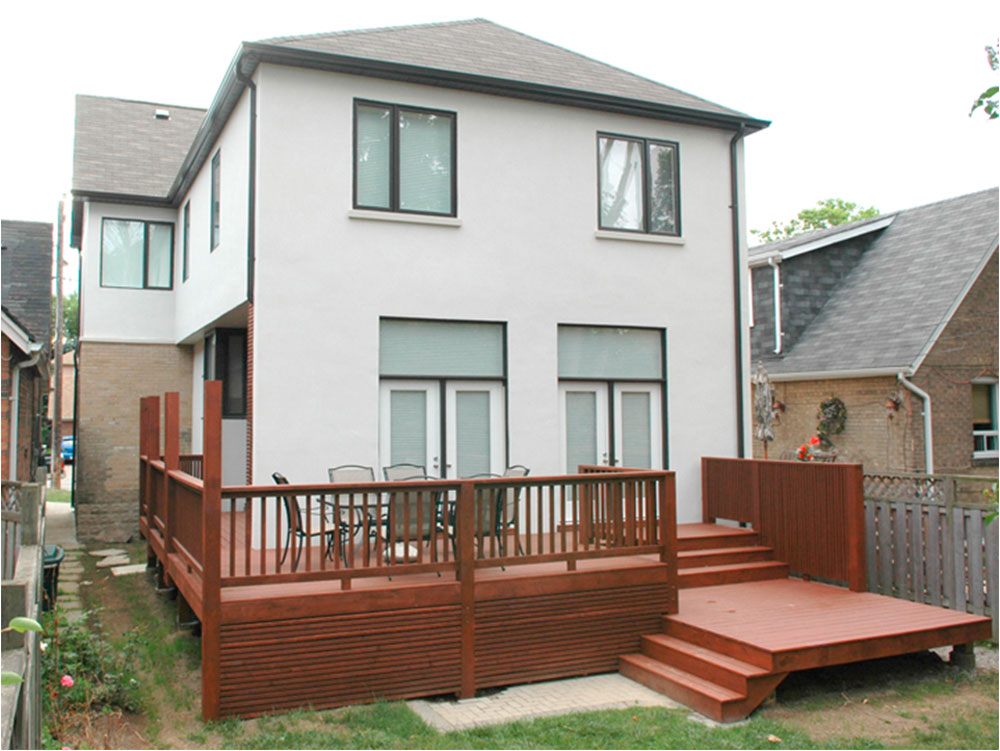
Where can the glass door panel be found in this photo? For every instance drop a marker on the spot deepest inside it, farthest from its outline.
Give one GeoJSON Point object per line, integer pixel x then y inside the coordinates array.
{"type": "Point", "coordinates": [474, 421]}
{"type": "Point", "coordinates": [638, 426]}
{"type": "Point", "coordinates": [584, 420]}
{"type": "Point", "coordinates": [410, 419]}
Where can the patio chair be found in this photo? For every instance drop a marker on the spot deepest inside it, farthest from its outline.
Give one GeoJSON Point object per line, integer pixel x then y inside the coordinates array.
{"type": "Point", "coordinates": [358, 473]}
{"type": "Point", "coordinates": [494, 516]}
{"type": "Point", "coordinates": [295, 524]}
{"type": "Point", "coordinates": [403, 471]}
{"type": "Point", "coordinates": [507, 500]}
{"type": "Point", "coordinates": [411, 516]}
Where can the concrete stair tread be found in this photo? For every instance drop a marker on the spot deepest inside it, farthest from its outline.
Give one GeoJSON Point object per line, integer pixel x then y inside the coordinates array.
{"type": "Point", "coordinates": [739, 667]}
{"type": "Point", "coordinates": [706, 688]}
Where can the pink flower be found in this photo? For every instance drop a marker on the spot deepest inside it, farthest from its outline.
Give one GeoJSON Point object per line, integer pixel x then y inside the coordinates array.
{"type": "Point", "coordinates": [814, 440]}
{"type": "Point", "coordinates": [66, 681]}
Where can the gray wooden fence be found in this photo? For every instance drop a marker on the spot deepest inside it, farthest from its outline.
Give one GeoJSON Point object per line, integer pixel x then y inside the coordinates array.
{"type": "Point", "coordinates": [927, 541]}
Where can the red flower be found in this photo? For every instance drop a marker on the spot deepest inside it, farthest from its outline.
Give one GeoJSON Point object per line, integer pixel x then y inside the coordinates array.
{"type": "Point", "coordinates": [814, 440]}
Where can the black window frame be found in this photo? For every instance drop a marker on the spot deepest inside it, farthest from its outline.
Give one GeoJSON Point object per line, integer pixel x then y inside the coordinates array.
{"type": "Point", "coordinates": [646, 183]}
{"type": "Point", "coordinates": [215, 367]}
{"type": "Point", "coordinates": [215, 228]}
{"type": "Point", "coordinates": [395, 110]}
{"type": "Point", "coordinates": [186, 242]}
{"type": "Point", "coordinates": [145, 252]}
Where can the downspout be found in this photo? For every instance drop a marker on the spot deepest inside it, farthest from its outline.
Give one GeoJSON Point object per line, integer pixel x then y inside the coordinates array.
{"type": "Point", "coordinates": [15, 397]}
{"type": "Point", "coordinates": [774, 262]}
{"type": "Point", "coordinates": [737, 287]}
{"type": "Point", "coordinates": [251, 263]}
{"type": "Point", "coordinates": [928, 430]}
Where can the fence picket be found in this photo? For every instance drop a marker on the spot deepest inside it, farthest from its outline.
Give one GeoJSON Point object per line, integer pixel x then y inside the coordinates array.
{"type": "Point", "coordinates": [885, 551]}
{"type": "Point", "coordinates": [934, 529]}
{"type": "Point", "coordinates": [992, 565]}
{"type": "Point", "coordinates": [871, 562]}
{"type": "Point", "coordinates": [958, 558]}
{"type": "Point", "coordinates": [916, 552]}
{"type": "Point", "coordinates": [975, 537]}
{"type": "Point", "coordinates": [899, 546]}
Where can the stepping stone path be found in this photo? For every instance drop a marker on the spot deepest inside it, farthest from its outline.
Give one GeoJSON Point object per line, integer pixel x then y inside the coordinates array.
{"type": "Point", "coordinates": [71, 572]}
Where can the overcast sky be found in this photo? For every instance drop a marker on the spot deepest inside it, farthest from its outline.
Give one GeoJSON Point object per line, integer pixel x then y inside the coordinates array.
{"type": "Point", "coordinates": [869, 100]}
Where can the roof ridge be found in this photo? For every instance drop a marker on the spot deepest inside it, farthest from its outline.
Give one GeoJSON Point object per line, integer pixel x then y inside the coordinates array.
{"type": "Point", "coordinates": [371, 30]}
{"type": "Point", "coordinates": [947, 200]}
{"type": "Point", "coordinates": [142, 101]}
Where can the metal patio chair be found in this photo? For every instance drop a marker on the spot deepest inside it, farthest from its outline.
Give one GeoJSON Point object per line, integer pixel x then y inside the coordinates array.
{"type": "Point", "coordinates": [411, 516]}
{"type": "Point", "coordinates": [295, 524]}
{"type": "Point", "coordinates": [403, 471]}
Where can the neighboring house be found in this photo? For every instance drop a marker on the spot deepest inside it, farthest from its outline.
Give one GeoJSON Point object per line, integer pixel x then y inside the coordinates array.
{"type": "Point", "coordinates": [897, 317]}
{"type": "Point", "coordinates": [27, 283]}
{"type": "Point", "coordinates": [449, 244]}
{"type": "Point", "coordinates": [68, 390]}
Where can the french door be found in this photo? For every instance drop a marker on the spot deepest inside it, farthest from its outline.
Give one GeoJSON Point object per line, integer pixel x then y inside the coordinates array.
{"type": "Point", "coordinates": [612, 423]}
{"type": "Point", "coordinates": [455, 428]}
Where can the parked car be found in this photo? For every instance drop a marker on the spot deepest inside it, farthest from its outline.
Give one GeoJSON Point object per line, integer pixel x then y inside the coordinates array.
{"type": "Point", "coordinates": [68, 449]}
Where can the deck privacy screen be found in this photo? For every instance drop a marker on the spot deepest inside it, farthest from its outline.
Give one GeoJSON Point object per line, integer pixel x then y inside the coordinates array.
{"type": "Point", "coordinates": [606, 353]}
{"type": "Point", "coordinates": [440, 349]}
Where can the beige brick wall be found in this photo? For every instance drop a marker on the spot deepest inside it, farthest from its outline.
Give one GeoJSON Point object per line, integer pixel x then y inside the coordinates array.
{"type": "Point", "coordinates": [966, 350]}
{"type": "Point", "coordinates": [112, 379]}
{"type": "Point", "coordinates": [875, 436]}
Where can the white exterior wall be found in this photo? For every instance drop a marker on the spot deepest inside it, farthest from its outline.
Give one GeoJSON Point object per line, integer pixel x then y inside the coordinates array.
{"type": "Point", "coordinates": [115, 314]}
{"type": "Point", "coordinates": [525, 253]}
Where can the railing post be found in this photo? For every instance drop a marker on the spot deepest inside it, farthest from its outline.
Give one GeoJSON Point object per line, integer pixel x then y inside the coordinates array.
{"type": "Point", "coordinates": [706, 516]}
{"type": "Point", "coordinates": [755, 515]}
{"type": "Point", "coordinates": [855, 509]}
{"type": "Point", "coordinates": [464, 512]}
{"type": "Point", "coordinates": [152, 452]}
{"type": "Point", "coordinates": [211, 579]}
{"type": "Point", "coordinates": [668, 534]}
{"type": "Point", "coordinates": [171, 461]}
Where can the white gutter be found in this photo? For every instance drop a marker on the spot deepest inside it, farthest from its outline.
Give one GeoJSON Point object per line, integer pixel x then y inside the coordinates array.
{"type": "Point", "coordinates": [811, 375]}
{"type": "Point", "coordinates": [15, 404]}
{"type": "Point", "coordinates": [928, 434]}
{"type": "Point", "coordinates": [774, 262]}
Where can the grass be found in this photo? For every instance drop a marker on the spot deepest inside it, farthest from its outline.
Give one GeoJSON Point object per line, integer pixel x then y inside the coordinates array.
{"type": "Point", "coordinates": [915, 693]}
{"type": "Point", "coordinates": [58, 495]}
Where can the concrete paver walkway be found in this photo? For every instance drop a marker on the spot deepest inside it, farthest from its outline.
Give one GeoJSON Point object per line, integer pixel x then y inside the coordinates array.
{"type": "Point", "coordinates": [607, 691]}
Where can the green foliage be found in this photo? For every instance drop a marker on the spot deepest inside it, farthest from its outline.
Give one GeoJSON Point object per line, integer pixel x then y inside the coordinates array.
{"type": "Point", "coordinates": [71, 320]}
{"type": "Point", "coordinates": [22, 624]}
{"type": "Point", "coordinates": [992, 496]}
{"type": "Point", "coordinates": [829, 213]}
{"type": "Point", "coordinates": [988, 101]}
{"type": "Point", "coordinates": [82, 673]}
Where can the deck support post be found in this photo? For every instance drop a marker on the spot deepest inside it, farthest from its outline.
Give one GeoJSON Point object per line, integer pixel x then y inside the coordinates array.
{"type": "Point", "coordinates": [464, 511]}
{"type": "Point", "coordinates": [667, 515]}
{"type": "Point", "coordinates": [963, 656]}
{"type": "Point", "coordinates": [211, 578]}
{"type": "Point", "coordinates": [854, 507]}
{"type": "Point", "coordinates": [152, 446]}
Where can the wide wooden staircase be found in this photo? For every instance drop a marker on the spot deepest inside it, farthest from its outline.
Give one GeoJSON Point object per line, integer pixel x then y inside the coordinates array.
{"type": "Point", "coordinates": [723, 679]}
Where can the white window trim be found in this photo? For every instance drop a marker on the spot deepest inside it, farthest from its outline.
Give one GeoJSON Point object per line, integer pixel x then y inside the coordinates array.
{"type": "Point", "coordinates": [389, 216]}
{"type": "Point", "coordinates": [607, 234]}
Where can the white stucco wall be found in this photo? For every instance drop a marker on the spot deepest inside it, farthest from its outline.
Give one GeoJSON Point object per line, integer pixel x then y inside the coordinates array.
{"type": "Point", "coordinates": [525, 253]}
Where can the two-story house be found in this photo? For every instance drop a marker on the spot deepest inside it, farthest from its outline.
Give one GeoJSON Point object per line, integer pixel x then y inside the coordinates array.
{"type": "Point", "coordinates": [895, 316]}
{"type": "Point", "coordinates": [451, 244]}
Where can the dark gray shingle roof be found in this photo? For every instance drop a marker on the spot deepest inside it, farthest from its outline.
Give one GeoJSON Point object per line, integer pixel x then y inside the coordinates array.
{"type": "Point", "coordinates": [122, 148]}
{"type": "Point", "coordinates": [771, 249]}
{"type": "Point", "coordinates": [891, 304]}
{"type": "Point", "coordinates": [480, 47]}
{"type": "Point", "coordinates": [27, 275]}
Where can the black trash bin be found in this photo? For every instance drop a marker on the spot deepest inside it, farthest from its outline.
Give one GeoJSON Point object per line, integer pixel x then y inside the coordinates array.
{"type": "Point", "coordinates": [53, 557]}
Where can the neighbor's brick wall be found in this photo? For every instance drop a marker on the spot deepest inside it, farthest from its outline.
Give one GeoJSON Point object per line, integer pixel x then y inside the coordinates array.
{"type": "Point", "coordinates": [112, 379]}
{"type": "Point", "coordinates": [6, 406]}
{"type": "Point", "coordinates": [966, 349]}
{"type": "Point", "coordinates": [871, 437]}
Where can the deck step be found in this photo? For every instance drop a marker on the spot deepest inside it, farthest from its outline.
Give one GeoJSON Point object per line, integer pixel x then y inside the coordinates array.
{"type": "Point", "coordinates": [708, 536]}
{"type": "Point", "coordinates": [733, 573]}
{"type": "Point", "coordinates": [722, 556]}
{"type": "Point", "coordinates": [710, 699]}
{"type": "Point", "coordinates": [703, 662]}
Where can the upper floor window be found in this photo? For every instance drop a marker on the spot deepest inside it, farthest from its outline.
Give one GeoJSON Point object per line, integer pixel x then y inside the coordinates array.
{"type": "Point", "coordinates": [216, 189]}
{"type": "Point", "coordinates": [137, 254]}
{"type": "Point", "coordinates": [186, 241]}
{"type": "Point", "coordinates": [984, 421]}
{"type": "Point", "coordinates": [638, 189]}
{"type": "Point", "coordinates": [404, 159]}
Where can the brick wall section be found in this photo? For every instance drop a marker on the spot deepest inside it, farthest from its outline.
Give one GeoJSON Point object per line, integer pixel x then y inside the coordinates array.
{"type": "Point", "coordinates": [870, 436]}
{"type": "Point", "coordinates": [966, 349]}
{"type": "Point", "coordinates": [6, 406]}
{"type": "Point", "coordinates": [112, 379]}
{"type": "Point", "coordinates": [31, 387]}
{"type": "Point", "coordinates": [806, 283]}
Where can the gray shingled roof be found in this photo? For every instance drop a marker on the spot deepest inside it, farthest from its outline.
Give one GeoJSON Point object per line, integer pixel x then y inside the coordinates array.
{"type": "Point", "coordinates": [27, 275]}
{"type": "Point", "coordinates": [891, 304]}
{"type": "Point", "coordinates": [122, 148]}
{"type": "Point", "coordinates": [772, 249]}
{"type": "Point", "coordinates": [480, 47]}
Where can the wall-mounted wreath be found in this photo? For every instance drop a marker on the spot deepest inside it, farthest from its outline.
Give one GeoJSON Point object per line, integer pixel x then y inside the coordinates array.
{"type": "Point", "coordinates": [832, 416]}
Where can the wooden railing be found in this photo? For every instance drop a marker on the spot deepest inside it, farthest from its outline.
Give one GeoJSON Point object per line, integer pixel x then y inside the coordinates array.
{"type": "Point", "coordinates": [12, 521]}
{"type": "Point", "coordinates": [811, 514]}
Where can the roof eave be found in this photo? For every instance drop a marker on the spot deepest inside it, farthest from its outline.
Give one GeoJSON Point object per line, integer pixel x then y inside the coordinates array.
{"type": "Point", "coordinates": [822, 375]}
{"type": "Point", "coordinates": [251, 54]}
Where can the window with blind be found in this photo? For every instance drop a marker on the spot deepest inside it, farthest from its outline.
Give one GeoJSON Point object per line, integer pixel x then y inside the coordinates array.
{"type": "Point", "coordinates": [404, 159]}
{"type": "Point", "coordinates": [137, 254]}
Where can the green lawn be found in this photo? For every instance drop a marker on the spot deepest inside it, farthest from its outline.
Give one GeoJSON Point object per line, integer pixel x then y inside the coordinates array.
{"type": "Point", "coordinates": [56, 495]}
